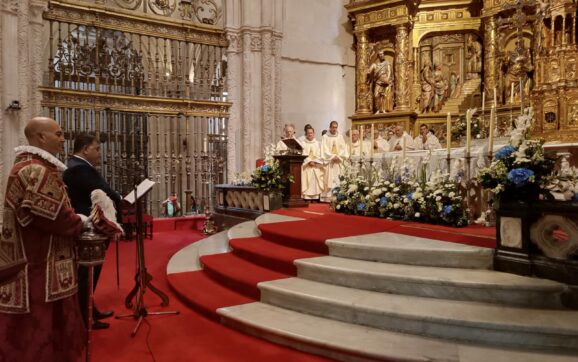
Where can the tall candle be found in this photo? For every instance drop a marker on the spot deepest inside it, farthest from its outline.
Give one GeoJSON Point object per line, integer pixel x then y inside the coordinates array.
{"type": "Point", "coordinates": [521, 96]}
{"type": "Point", "coordinates": [205, 144]}
{"type": "Point", "coordinates": [512, 94]}
{"type": "Point", "coordinates": [495, 99]}
{"type": "Point", "coordinates": [491, 131]}
{"type": "Point", "coordinates": [361, 140]}
{"type": "Point", "coordinates": [468, 130]}
{"type": "Point", "coordinates": [403, 148]}
{"type": "Point", "coordinates": [483, 107]}
{"type": "Point", "coordinates": [372, 135]}
{"type": "Point", "coordinates": [449, 133]}
{"type": "Point", "coordinates": [351, 139]}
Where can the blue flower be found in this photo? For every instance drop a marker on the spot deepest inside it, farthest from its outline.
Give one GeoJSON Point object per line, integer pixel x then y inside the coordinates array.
{"type": "Point", "coordinates": [448, 209]}
{"type": "Point", "coordinates": [504, 152]}
{"type": "Point", "coordinates": [361, 206]}
{"type": "Point", "coordinates": [520, 176]}
{"type": "Point", "coordinates": [340, 197]}
{"type": "Point", "coordinates": [265, 168]}
{"type": "Point", "coordinates": [409, 196]}
{"type": "Point", "coordinates": [397, 179]}
{"type": "Point", "coordinates": [383, 201]}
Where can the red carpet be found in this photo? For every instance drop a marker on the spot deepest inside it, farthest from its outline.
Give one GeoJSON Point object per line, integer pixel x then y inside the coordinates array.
{"type": "Point", "coordinates": [185, 337]}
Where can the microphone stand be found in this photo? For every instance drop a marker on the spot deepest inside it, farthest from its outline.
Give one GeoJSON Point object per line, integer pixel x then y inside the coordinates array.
{"type": "Point", "coordinates": [143, 279]}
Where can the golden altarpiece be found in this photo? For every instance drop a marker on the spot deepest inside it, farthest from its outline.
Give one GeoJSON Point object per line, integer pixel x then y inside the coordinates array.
{"type": "Point", "coordinates": [149, 77]}
{"type": "Point", "coordinates": [419, 60]}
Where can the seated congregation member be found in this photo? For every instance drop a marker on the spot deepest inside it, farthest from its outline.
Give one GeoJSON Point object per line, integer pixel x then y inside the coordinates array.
{"type": "Point", "coordinates": [426, 139]}
{"type": "Point", "coordinates": [312, 170]}
{"type": "Point", "coordinates": [39, 316]}
{"type": "Point", "coordinates": [358, 148]}
{"type": "Point", "coordinates": [334, 152]}
{"type": "Point", "coordinates": [81, 178]}
{"type": "Point", "coordinates": [397, 140]}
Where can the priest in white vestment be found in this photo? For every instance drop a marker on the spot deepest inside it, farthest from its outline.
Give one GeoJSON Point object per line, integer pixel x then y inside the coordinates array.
{"type": "Point", "coordinates": [357, 147]}
{"type": "Point", "coordinates": [334, 152]}
{"type": "Point", "coordinates": [380, 146]}
{"type": "Point", "coordinates": [288, 132]}
{"type": "Point", "coordinates": [426, 140]}
{"type": "Point", "coordinates": [396, 142]}
{"type": "Point", "coordinates": [312, 171]}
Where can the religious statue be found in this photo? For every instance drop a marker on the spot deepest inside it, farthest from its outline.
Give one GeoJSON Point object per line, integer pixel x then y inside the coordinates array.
{"type": "Point", "coordinates": [380, 77]}
{"type": "Point", "coordinates": [426, 96]}
{"type": "Point", "coordinates": [474, 57]}
{"type": "Point", "coordinates": [517, 64]}
{"type": "Point", "coordinates": [441, 86]}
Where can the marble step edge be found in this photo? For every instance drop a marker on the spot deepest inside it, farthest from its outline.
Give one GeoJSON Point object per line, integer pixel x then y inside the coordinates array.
{"type": "Point", "coordinates": [433, 282]}
{"type": "Point", "coordinates": [404, 249]}
{"type": "Point", "coordinates": [355, 343]}
{"type": "Point", "coordinates": [454, 320]}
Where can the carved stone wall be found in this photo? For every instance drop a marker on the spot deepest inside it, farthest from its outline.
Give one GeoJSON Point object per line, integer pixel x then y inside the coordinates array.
{"type": "Point", "coordinates": [254, 53]}
{"type": "Point", "coordinates": [21, 45]}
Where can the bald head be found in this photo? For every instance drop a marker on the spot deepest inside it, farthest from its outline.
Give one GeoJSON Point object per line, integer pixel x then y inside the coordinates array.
{"type": "Point", "coordinates": [44, 133]}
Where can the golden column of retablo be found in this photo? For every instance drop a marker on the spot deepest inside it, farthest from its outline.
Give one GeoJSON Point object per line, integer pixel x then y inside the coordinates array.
{"type": "Point", "coordinates": [490, 80]}
{"type": "Point", "coordinates": [402, 58]}
{"type": "Point", "coordinates": [364, 105]}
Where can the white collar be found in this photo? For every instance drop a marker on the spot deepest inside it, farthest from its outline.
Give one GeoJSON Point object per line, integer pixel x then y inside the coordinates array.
{"type": "Point", "coordinates": [328, 134]}
{"type": "Point", "coordinates": [82, 158]}
{"type": "Point", "coordinates": [41, 153]}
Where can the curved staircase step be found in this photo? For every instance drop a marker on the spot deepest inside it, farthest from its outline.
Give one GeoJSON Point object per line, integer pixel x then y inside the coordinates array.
{"type": "Point", "coordinates": [270, 255]}
{"type": "Point", "coordinates": [454, 320]}
{"type": "Point", "coordinates": [433, 282]}
{"type": "Point", "coordinates": [352, 342]}
{"type": "Point", "coordinates": [404, 249]}
{"type": "Point", "coordinates": [238, 274]}
{"type": "Point", "coordinates": [203, 294]}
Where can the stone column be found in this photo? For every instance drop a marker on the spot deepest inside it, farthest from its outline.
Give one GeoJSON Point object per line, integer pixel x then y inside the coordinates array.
{"type": "Point", "coordinates": [402, 59]}
{"type": "Point", "coordinates": [364, 97]}
{"type": "Point", "coordinates": [490, 64]}
{"type": "Point", "coordinates": [22, 37]}
{"type": "Point", "coordinates": [254, 79]}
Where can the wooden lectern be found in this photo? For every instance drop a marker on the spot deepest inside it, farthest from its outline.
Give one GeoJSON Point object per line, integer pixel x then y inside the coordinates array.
{"type": "Point", "coordinates": [291, 164]}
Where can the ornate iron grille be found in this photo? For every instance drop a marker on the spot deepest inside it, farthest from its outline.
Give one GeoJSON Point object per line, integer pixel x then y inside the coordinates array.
{"type": "Point", "coordinates": [153, 92]}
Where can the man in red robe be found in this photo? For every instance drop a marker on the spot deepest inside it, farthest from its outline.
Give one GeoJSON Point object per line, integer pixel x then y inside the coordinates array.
{"type": "Point", "coordinates": [39, 315]}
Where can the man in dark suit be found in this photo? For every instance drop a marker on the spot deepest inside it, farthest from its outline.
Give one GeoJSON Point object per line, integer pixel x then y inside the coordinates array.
{"type": "Point", "coordinates": [81, 178]}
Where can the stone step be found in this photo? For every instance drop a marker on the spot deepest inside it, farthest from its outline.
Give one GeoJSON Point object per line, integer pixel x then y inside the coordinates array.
{"type": "Point", "coordinates": [433, 282]}
{"type": "Point", "coordinates": [404, 249]}
{"type": "Point", "coordinates": [352, 342]}
{"type": "Point", "coordinates": [454, 320]}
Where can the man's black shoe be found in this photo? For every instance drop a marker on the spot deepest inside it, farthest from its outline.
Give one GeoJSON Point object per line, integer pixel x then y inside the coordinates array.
{"type": "Point", "coordinates": [98, 315]}
{"type": "Point", "coordinates": [99, 325]}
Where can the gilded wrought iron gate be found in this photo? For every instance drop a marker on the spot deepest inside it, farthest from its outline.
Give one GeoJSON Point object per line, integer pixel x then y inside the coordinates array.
{"type": "Point", "coordinates": [152, 88]}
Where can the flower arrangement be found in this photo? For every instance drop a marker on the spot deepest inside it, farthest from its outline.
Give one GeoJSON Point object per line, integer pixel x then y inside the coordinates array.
{"type": "Point", "coordinates": [241, 179]}
{"type": "Point", "coordinates": [269, 177]}
{"type": "Point", "coordinates": [522, 170]}
{"type": "Point", "coordinates": [478, 129]}
{"type": "Point", "coordinates": [400, 196]}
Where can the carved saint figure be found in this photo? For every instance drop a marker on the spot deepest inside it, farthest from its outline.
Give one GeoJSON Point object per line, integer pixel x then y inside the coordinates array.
{"type": "Point", "coordinates": [440, 88]}
{"type": "Point", "coordinates": [426, 81]}
{"type": "Point", "coordinates": [518, 65]}
{"type": "Point", "coordinates": [474, 57]}
{"type": "Point", "coordinates": [380, 77]}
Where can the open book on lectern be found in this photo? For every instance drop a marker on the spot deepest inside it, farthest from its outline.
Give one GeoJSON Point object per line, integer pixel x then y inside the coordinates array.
{"type": "Point", "coordinates": [145, 186]}
{"type": "Point", "coordinates": [292, 145]}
